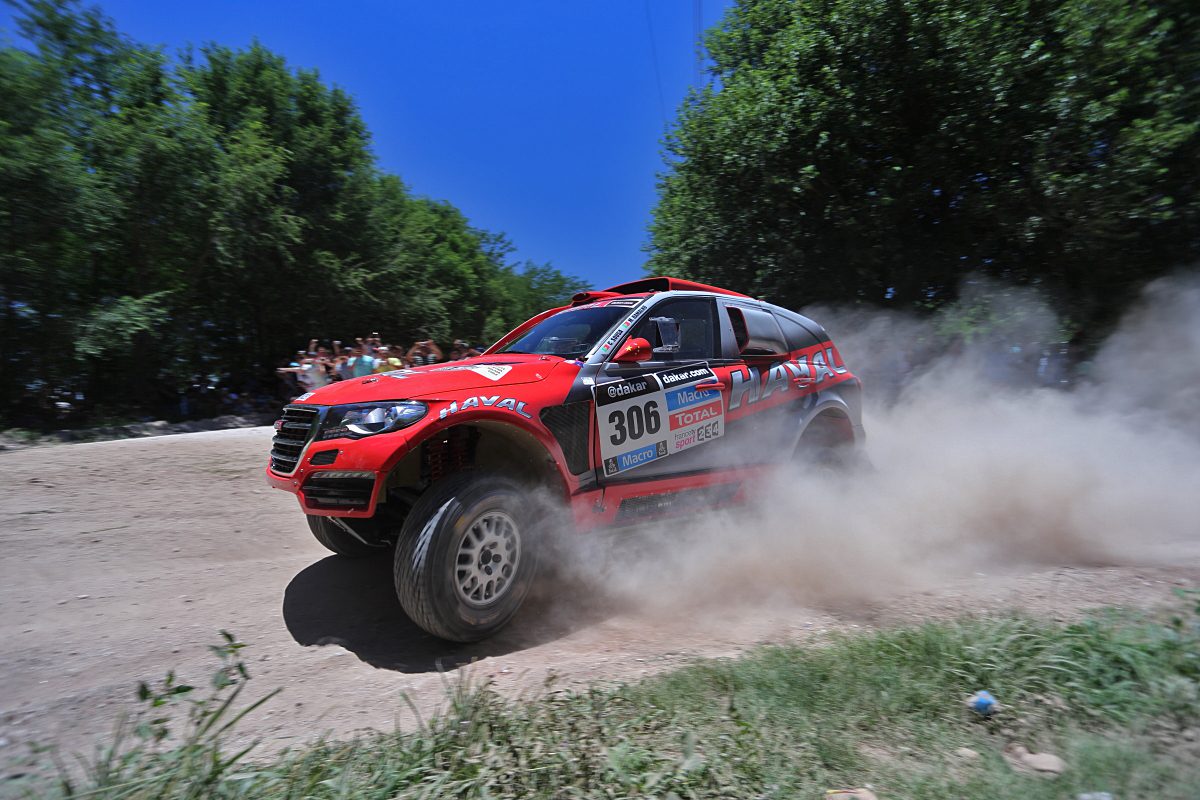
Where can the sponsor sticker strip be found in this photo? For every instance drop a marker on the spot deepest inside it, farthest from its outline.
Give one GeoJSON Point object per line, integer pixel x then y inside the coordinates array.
{"type": "Point", "coordinates": [654, 416]}
{"type": "Point", "coordinates": [623, 328]}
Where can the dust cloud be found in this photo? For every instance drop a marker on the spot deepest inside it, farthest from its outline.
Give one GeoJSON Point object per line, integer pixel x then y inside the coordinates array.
{"type": "Point", "coordinates": [986, 455]}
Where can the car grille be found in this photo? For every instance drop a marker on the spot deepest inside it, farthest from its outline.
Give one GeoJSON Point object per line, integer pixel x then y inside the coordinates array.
{"type": "Point", "coordinates": [292, 434]}
{"type": "Point", "coordinates": [322, 492]}
{"type": "Point", "coordinates": [324, 458]}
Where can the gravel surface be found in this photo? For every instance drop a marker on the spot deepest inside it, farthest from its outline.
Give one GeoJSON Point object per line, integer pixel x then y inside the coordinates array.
{"type": "Point", "coordinates": [123, 559]}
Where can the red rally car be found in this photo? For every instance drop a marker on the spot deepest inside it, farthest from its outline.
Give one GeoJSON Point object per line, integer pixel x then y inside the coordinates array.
{"type": "Point", "coordinates": [652, 398]}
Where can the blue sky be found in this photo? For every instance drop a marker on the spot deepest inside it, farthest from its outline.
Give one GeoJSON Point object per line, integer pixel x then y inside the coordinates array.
{"type": "Point", "coordinates": [538, 118]}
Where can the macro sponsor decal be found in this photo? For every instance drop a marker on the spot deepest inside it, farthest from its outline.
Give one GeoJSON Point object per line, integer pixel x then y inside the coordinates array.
{"type": "Point", "coordinates": [304, 396]}
{"type": "Point", "coordinates": [655, 416]}
{"type": "Point", "coordinates": [808, 370]}
{"type": "Point", "coordinates": [493, 372]}
{"type": "Point", "coordinates": [640, 456]}
{"type": "Point", "coordinates": [508, 404]}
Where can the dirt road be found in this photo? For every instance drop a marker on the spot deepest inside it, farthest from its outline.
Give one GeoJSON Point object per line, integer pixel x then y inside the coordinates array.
{"type": "Point", "coordinates": [122, 560]}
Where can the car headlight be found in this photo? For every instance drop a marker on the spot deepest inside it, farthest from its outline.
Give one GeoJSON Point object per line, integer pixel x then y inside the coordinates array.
{"type": "Point", "coordinates": [368, 419]}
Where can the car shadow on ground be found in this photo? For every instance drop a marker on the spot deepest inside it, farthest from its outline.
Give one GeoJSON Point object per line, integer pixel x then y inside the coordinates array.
{"type": "Point", "coordinates": [352, 603]}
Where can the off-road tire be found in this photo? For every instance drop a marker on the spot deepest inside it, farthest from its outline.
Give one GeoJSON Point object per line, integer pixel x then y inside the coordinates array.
{"type": "Point", "coordinates": [335, 538]}
{"type": "Point", "coordinates": [428, 571]}
{"type": "Point", "coordinates": [825, 449]}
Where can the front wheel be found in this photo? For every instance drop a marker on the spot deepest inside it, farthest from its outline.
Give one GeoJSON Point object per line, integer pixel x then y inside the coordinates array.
{"type": "Point", "coordinates": [466, 556]}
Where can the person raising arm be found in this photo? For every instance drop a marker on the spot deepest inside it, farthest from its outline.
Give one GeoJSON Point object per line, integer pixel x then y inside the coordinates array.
{"type": "Point", "coordinates": [425, 352]}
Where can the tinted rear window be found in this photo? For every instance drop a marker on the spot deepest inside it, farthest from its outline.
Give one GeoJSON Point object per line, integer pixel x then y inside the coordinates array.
{"type": "Point", "coordinates": [798, 337]}
{"type": "Point", "coordinates": [761, 332]}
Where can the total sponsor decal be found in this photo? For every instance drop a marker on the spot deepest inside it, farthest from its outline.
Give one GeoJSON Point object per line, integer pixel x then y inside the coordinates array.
{"type": "Point", "coordinates": [508, 403]}
{"type": "Point", "coordinates": [654, 416]}
{"type": "Point", "coordinates": [693, 416]}
{"type": "Point", "coordinates": [809, 370]}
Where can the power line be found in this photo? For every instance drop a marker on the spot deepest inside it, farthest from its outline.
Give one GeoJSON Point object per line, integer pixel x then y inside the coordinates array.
{"type": "Point", "coordinates": [662, 104]}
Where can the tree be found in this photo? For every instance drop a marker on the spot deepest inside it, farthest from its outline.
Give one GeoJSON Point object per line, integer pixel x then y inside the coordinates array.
{"type": "Point", "coordinates": [878, 150]}
{"type": "Point", "coordinates": [168, 222]}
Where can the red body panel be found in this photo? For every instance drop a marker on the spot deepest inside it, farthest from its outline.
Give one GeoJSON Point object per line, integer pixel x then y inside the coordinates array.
{"type": "Point", "coordinates": [449, 390]}
{"type": "Point", "coordinates": [600, 507]}
{"type": "Point", "coordinates": [807, 371]}
{"type": "Point", "coordinates": [513, 390]}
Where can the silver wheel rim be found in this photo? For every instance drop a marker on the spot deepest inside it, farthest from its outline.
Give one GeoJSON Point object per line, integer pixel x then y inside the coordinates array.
{"type": "Point", "coordinates": [488, 557]}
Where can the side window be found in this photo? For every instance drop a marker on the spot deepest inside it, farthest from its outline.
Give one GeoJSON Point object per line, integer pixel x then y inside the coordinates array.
{"type": "Point", "coordinates": [798, 337]}
{"type": "Point", "coordinates": [757, 332]}
{"type": "Point", "coordinates": [741, 336]}
{"type": "Point", "coordinates": [697, 329]}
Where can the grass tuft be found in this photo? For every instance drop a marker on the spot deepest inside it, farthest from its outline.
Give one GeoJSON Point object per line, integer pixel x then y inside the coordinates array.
{"type": "Point", "coordinates": [1117, 696]}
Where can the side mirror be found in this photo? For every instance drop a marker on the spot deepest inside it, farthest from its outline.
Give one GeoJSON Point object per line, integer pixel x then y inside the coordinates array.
{"type": "Point", "coordinates": [633, 351]}
{"type": "Point", "coordinates": [668, 335]}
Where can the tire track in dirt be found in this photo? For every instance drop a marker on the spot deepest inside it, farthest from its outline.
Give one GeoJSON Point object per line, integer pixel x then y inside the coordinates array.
{"type": "Point", "coordinates": [122, 560]}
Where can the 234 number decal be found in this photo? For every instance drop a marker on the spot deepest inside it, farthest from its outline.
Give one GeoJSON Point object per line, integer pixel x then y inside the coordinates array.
{"type": "Point", "coordinates": [635, 422]}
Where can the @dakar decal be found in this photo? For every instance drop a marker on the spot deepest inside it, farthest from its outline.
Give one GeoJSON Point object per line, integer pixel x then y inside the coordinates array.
{"type": "Point", "coordinates": [654, 416]}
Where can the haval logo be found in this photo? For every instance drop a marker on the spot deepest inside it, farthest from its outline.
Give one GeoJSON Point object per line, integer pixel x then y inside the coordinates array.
{"type": "Point", "coordinates": [508, 403]}
{"type": "Point", "coordinates": [751, 386]}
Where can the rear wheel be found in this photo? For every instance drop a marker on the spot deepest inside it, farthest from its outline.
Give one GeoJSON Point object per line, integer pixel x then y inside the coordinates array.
{"type": "Point", "coordinates": [827, 447]}
{"type": "Point", "coordinates": [467, 556]}
{"type": "Point", "coordinates": [339, 536]}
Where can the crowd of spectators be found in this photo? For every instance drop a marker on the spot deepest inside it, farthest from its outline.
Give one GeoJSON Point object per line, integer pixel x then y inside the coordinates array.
{"type": "Point", "coordinates": [320, 365]}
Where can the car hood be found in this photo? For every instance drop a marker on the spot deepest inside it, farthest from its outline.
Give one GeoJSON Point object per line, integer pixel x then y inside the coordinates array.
{"type": "Point", "coordinates": [436, 380]}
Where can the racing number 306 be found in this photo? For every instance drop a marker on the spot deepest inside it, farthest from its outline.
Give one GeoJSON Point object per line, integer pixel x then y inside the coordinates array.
{"type": "Point", "coordinates": [635, 422]}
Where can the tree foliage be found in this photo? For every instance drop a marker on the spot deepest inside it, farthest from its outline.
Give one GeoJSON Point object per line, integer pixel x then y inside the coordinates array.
{"type": "Point", "coordinates": [878, 150]}
{"type": "Point", "coordinates": [165, 221]}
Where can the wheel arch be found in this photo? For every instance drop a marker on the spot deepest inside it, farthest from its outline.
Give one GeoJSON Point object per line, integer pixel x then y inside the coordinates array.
{"type": "Point", "coordinates": [830, 425]}
{"type": "Point", "coordinates": [479, 443]}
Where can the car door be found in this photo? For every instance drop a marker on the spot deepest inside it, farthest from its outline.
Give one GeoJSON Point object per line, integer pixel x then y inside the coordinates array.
{"type": "Point", "coordinates": [768, 391]}
{"type": "Point", "coordinates": [665, 416]}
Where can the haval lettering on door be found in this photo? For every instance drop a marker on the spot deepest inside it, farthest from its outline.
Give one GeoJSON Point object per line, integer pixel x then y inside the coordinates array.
{"type": "Point", "coordinates": [652, 398]}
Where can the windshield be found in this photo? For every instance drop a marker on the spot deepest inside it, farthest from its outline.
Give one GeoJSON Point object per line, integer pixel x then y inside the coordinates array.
{"type": "Point", "coordinates": [568, 333]}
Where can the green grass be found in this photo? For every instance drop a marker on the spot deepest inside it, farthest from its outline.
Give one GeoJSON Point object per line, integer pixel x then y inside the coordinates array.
{"type": "Point", "coordinates": [1112, 696]}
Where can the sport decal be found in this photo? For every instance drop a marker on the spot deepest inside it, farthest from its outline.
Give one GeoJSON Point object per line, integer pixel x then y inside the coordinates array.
{"type": "Point", "coordinates": [654, 416]}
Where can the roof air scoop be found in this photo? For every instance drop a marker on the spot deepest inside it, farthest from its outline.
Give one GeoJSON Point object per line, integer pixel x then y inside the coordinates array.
{"type": "Point", "coordinates": [665, 284]}
{"type": "Point", "coordinates": [583, 298]}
